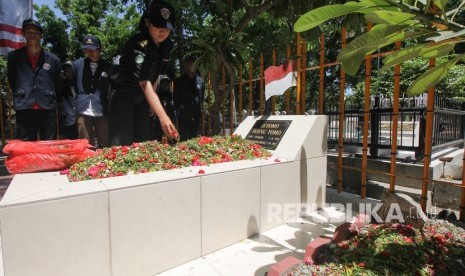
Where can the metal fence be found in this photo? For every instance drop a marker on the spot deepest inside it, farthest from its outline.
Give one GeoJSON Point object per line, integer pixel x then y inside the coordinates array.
{"type": "Point", "coordinates": [448, 124]}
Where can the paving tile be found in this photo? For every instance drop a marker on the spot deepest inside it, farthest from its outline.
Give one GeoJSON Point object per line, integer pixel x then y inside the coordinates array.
{"type": "Point", "coordinates": [193, 268]}
{"type": "Point", "coordinates": [295, 235]}
{"type": "Point", "coordinates": [253, 256]}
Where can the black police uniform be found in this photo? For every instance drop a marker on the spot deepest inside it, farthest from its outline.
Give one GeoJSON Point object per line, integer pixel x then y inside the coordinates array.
{"type": "Point", "coordinates": [141, 60]}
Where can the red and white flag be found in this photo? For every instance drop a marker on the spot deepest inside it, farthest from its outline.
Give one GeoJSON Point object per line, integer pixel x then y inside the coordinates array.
{"type": "Point", "coordinates": [279, 78]}
{"type": "Point", "coordinates": [12, 15]}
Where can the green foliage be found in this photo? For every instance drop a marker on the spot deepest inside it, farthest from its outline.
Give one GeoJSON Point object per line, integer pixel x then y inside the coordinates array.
{"type": "Point", "coordinates": [382, 81]}
{"type": "Point", "coordinates": [452, 85]}
{"type": "Point", "coordinates": [116, 29]}
{"type": "Point", "coordinates": [55, 38]}
{"type": "Point", "coordinates": [318, 16]}
{"type": "Point", "coordinates": [2, 74]}
{"type": "Point", "coordinates": [264, 34]}
{"type": "Point", "coordinates": [395, 21]}
{"type": "Point", "coordinates": [110, 21]}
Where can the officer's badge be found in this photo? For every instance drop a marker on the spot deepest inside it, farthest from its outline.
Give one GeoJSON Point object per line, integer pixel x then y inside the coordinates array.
{"type": "Point", "coordinates": [165, 13]}
{"type": "Point", "coordinates": [139, 58]}
{"type": "Point", "coordinates": [46, 66]}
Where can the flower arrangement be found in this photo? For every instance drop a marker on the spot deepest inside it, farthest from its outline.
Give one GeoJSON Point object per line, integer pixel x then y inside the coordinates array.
{"type": "Point", "coordinates": [153, 156]}
{"type": "Point", "coordinates": [393, 249]}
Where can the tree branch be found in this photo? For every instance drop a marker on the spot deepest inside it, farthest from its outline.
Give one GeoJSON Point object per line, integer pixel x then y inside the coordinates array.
{"type": "Point", "coordinates": [253, 12]}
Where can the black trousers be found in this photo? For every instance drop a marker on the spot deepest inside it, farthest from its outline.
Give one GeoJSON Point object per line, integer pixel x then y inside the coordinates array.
{"type": "Point", "coordinates": [69, 132]}
{"type": "Point", "coordinates": [188, 126]}
{"type": "Point", "coordinates": [36, 124]}
{"type": "Point", "coordinates": [129, 120]}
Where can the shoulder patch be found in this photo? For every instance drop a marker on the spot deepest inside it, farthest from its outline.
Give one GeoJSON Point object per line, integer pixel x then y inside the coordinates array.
{"type": "Point", "coordinates": [143, 43]}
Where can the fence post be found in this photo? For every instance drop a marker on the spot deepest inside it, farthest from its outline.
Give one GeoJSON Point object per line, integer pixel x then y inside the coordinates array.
{"type": "Point", "coordinates": [428, 141]}
{"type": "Point", "coordinates": [395, 122]}
{"type": "Point", "coordinates": [223, 103]}
{"type": "Point", "coordinates": [322, 75]}
{"type": "Point", "coordinates": [250, 87]}
{"type": "Point", "coordinates": [421, 140]}
{"type": "Point", "coordinates": [232, 111]}
{"type": "Point", "coordinates": [375, 118]}
{"type": "Point", "coordinates": [209, 125]}
{"type": "Point", "coordinates": [298, 60]}
{"type": "Point", "coordinates": [341, 117]}
{"type": "Point", "coordinates": [366, 115]}
{"type": "Point", "coordinates": [288, 91]}
{"type": "Point", "coordinates": [262, 78]}
{"type": "Point", "coordinates": [240, 93]}
{"type": "Point", "coordinates": [273, 98]}
{"type": "Point", "coordinates": [303, 78]}
{"type": "Point", "coordinates": [462, 195]}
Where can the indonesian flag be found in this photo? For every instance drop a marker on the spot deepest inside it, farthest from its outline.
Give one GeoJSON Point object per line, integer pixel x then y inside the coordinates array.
{"type": "Point", "coordinates": [12, 15]}
{"type": "Point", "coordinates": [279, 78]}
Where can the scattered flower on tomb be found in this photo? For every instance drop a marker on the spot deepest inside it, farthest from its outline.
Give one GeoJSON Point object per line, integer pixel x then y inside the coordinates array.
{"type": "Point", "coordinates": [392, 249]}
{"type": "Point", "coordinates": [175, 135]}
{"type": "Point", "coordinates": [153, 156]}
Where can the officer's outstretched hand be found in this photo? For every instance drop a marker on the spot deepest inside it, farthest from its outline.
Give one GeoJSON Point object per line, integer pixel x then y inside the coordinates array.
{"type": "Point", "coordinates": [168, 128]}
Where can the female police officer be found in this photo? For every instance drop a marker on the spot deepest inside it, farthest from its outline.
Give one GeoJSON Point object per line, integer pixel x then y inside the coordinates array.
{"type": "Point", "coordinates": [145, 56]}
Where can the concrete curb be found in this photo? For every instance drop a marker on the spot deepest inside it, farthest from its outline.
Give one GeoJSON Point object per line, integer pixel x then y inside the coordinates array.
{"type": "Point", "coordinates": [312, 249]}
{"type": "Point", "coordinates": [282, 266]}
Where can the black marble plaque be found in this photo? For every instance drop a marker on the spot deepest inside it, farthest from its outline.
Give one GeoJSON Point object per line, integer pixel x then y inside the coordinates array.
{"type": "Point", "coordinates": [268, 133]}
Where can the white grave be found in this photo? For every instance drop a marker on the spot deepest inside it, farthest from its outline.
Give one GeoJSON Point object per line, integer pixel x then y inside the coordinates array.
{"type": "Point", "coordinates": [147, 223]}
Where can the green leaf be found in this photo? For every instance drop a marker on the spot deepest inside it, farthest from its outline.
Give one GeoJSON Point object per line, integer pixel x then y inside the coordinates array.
{"type": "Point", "coordinates": [436, 52]}
{"type": "Point", "coordinates": [428, 51]}
{"type": "Point", "coordinates": [441, 5]}
{"type": "Point", "coordinates": [318, 16]}
{"type": "Point", "coordinates": [370, 6]}
{"type": "Point", "coordinates": [381, 35]}
{"type": "Point", "coordinates": [401, 56]}
{"type": "Point", "coordinates": [431, 77]}
{"type": "Point", "coordinates": [374, 3]}
{"type": "Point", "coordinates": [390, 17]}
{"type": "Point", "coordinates": [376, 36]}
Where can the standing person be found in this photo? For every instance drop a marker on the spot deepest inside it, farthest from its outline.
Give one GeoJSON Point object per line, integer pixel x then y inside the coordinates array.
{"type": "Point", "coordinates": [35, 80]}
{"type": "Point", "coordinates": [92, 79]}
{"type": "Point", "coordinates": [68, 109]}
{"type": "Point", "coordinates": [145, 57]}
{"type": "Point", "coordinates": [189, 89]}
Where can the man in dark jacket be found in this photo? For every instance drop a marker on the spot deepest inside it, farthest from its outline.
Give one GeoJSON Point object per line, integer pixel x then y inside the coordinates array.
{"type": "Point", "coordinates": [92, 79]}
{"type": "Point", "coordinates": [188, 96]}
{"type": "Point", "coordinates": [35, 80]}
